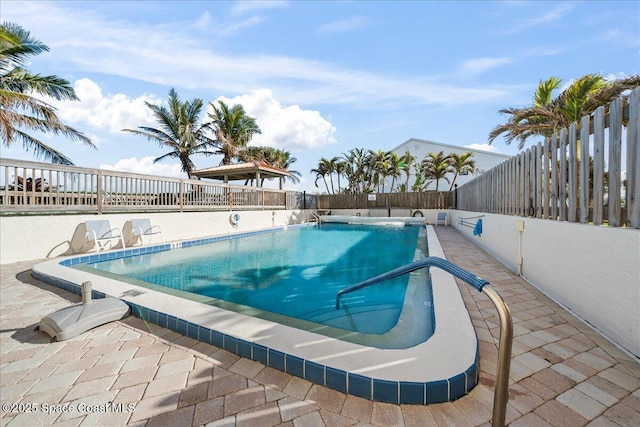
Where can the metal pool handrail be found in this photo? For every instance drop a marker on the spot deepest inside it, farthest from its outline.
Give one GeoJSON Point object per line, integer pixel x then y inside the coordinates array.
{"type": "Point", "coordinates": [501, 393]}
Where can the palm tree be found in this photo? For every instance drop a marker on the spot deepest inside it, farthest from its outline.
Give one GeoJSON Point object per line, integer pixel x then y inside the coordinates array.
{"type": "Point", "coordinates": [356, 161]}
{"type": "Point", "coordinates": [341, 169]}
{"type": "Point", "coordinates": [462, 164]}
{"type": "Point", "coordinates": [272, 156]}
{"type": "Point", "coordinates": [379, 165]}
{"type": "Point", "coordinates": [180, 130]}
{"type": "Point", "coordinates": [437, 166]}
{"type": "Point", "coordinates": [408, 160]}
{"type": "Point", "coordinates": [396, 165]}
{"type": "Point", "coordinates": [548, 115]}
{"type": "Point", "coordinates": [420, 184]}
{"type": "Point", "coordinates": [233, 128]}
{"type": "Point", "coordinates": [283, 160]}
{"type": "Point", "coordinates": [321, 172]}
{"type": "Point", "coordinates": [19, 110]}
{"type": "Point", "coordinates": [334, 165]}
{"type": "Point", "coordinates": [254, 153]}
{"type": "Point", "coordinates": [326, 167]}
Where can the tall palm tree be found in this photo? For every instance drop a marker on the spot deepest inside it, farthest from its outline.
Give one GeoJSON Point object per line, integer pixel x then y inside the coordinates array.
{"type": "Point", "coordinates": [436, 167]}
{"type": "Point", "coordinates": [233, 129]}
{"type": "Point", "coordinates": [462, 164]}
{"type": "Point", "coordinates": [180, 130]}
{"type": "Point", "coordinates": [408, 160]}
{"type": "Point", "coordinates": [326, 167]}
{"type": "Point", "coordinates": [19, 110]}
{"type": "Point", "coordinates": [396, 165]}
{"type": "Point", "coordinates": [321, 172]}
{"type": "Point", "coordinates": [284, 160]}
{"type": "Point", "coordinates": [341, 169]}
{"type": "Point", "coordinates": [356, 161]}
{"type": "Point", "coordinates": [548, 115]}
{"type": "Point", "coordinates": [379, 165]}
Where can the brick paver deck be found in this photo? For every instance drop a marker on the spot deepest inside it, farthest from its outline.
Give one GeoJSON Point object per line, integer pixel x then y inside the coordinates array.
{"type": "Point", "coordinates": [563, 373]}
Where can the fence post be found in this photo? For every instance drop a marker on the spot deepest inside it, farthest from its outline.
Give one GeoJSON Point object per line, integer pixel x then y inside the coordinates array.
{"type": "Point", "coordinates": [633, 160]}
{"type": "Point", "coordinates": [615, 160]}
{"type": "Point", "coordinates": [99, 192]}
{"type": "Point", "coordinates": [455, 197]}
{"type": "Point", "coordinates": [181, 195]}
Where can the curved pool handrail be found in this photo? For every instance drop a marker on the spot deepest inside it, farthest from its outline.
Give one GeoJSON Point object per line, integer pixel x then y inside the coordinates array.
{"type": "Point", "coordinates": [501, 393]}
{"type": "Point", "coordinates": [432, 261]}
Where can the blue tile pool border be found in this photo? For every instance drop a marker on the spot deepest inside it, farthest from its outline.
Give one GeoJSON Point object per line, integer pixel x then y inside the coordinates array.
{"type": "Point", "coordinates": [395, 392]}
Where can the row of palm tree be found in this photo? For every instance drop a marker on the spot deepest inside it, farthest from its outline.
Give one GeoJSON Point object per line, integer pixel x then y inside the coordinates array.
{"type": "Point", "coordinates": [227, 132]}
{"type": "Point", "coordinates": [368, 171]}
{"type": "Point", "coordinates": [180, 129]}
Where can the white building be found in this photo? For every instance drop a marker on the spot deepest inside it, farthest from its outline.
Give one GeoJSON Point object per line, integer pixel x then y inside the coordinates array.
{"type": "Point", "coordinates": [420, 148]}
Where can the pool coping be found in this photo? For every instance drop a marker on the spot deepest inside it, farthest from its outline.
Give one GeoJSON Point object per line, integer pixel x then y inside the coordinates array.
{"type": "Point", "coordinates": [441, 369]}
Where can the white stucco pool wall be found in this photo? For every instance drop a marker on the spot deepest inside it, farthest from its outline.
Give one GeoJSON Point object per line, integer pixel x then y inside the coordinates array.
{"type": "Point", "coordinates": [27, 237]}
{"type": "Point", "coordinates": [593, 271]}
{"type": "Point", "coordinates": [448, 352]}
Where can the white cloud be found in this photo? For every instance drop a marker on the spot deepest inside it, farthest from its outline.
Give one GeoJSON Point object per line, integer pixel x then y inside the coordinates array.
{"type": "Point", "coordinates": [344, 25]}
{"type": "Point", "coordinates": [203, 22]}
{"type": "Point", "coordinates": [110, 112]}
{"type": "Point", "coordinates": [287, 127]}
{"type": "Point", "coordinates": [104, 46]}
{"type": "Point", "coordinates": [484, 147]}
{"type": "Point", "coordinates": [250, 6]}
{"type": "Point", "coordinates": [146, 166]}
{"type": "Point", "coordinates": [481, 65]}
{"type": "Point", "coordinates": [552, 15]}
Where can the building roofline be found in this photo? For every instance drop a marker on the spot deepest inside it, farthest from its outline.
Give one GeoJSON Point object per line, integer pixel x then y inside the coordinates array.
{"type": "Point", "coordinates": [457, 147]}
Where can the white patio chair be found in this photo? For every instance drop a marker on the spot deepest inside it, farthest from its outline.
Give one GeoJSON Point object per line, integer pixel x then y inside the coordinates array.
{"type": "Point", "coordinates": [101, 233]}
{"type": "Point", "coordinates": [441, 218]}
{"type": "Point", "coordinates": [142, 227]}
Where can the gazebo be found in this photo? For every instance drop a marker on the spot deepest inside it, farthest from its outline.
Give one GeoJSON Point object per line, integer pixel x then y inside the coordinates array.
{"type": "Point", "coordinates": [243, 171]}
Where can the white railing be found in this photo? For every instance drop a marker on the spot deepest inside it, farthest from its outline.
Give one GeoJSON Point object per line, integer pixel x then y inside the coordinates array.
{"type": "Point", "coordinates": [34, 187]}
{"type": "Point", "coordinates": [550, 181]}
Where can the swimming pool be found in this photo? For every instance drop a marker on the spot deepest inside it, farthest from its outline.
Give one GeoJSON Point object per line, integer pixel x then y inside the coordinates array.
{"type": "Point", "coordinates": [440, 369]}
{"type": "Point", "coordinates": [294, 275]}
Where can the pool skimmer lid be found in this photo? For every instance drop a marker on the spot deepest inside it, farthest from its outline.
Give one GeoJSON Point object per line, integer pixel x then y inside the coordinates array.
{"type": "Point", "coordinates": [71, 321]}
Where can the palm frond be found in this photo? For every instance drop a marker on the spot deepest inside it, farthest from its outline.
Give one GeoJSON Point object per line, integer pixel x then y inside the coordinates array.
{"type": "Point", "coordinates": [548, 115]}
{"type": "Point", "coordinates": [19, 110]}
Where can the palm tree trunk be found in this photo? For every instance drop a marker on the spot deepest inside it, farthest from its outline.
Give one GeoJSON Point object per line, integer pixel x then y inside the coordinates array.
{"type": "Point", "coordinates": [453, 181]}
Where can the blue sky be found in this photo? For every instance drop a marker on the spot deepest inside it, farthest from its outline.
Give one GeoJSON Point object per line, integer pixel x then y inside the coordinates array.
{"type": "Point", "coordinates": [320, 77]}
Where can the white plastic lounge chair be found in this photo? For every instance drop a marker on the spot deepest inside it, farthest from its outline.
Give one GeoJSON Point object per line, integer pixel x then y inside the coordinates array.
{"type": "Point", "coordinates": [101, 233]}
{"type": "Point", "coordinates": [441, 218]}
{"type": "Point", "coordinates": [142, 227]}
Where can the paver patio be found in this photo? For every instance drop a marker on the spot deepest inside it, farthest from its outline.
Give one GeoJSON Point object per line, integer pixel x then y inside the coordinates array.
{"type": "Point", "coordinates": [563, 373]}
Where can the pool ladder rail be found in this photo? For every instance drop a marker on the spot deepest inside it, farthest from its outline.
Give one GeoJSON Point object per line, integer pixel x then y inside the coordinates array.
{"type": "Point", "coordinates": [501, 393]}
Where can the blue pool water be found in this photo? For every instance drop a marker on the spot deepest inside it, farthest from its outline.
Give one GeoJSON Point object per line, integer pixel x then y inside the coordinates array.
{"type": "Point", "coordinates": [294, 273]}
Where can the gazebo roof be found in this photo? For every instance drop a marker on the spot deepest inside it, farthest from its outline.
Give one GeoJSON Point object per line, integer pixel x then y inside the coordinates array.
{"type": "Point", "coordinates": [242, 171]}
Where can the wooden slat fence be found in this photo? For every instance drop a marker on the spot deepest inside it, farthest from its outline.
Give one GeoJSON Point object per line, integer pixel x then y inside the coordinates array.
{"type": "Point", "coordinates": [550, 180]}
{"type": "Point", "coordinates": [423, 200]}
{"type": "Point", "coordinates": [34, 187]}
